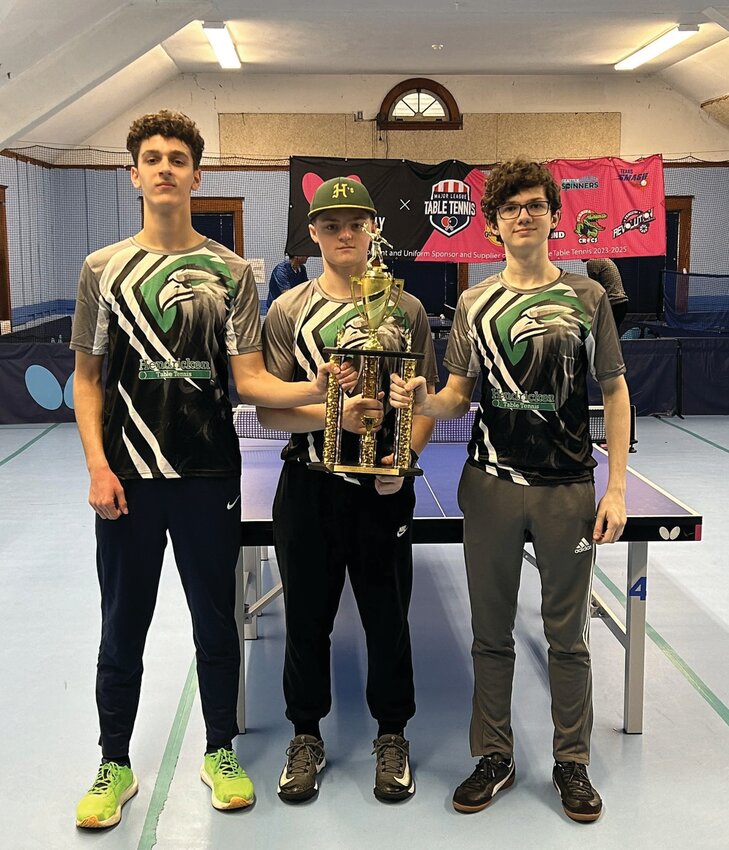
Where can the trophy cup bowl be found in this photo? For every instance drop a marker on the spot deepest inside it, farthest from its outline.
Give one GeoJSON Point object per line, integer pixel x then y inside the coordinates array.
{"type": "Point", "coordinates": [373, 301]}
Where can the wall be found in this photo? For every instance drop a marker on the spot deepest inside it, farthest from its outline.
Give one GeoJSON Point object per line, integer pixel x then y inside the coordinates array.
{"type": "Point", "coordinates": [654, 117]}
{"type": "Point", "coordinates": [709, 215]}
{"type": "Point", "coordinates": [57, 216]}
{"type": "Point", "coordinates": [484, 138]}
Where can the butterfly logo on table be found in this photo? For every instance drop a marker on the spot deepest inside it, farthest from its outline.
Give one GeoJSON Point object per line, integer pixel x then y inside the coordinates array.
{"type": "Point", "coordinates": [669, 533]}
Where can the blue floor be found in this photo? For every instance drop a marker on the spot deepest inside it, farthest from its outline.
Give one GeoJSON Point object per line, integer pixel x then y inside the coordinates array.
{"type": "Point", "coordinates": [666, 788]}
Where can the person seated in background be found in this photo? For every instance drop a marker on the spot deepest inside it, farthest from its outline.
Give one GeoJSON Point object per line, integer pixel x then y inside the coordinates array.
{"type": "Point", "coordinates": [286, 274]}
{"type": "Point", "coordinates": [606, 273]}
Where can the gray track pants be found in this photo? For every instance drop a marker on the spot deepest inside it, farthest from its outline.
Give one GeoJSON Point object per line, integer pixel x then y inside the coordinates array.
{"type": "Point", "coordinates": [559, 519]}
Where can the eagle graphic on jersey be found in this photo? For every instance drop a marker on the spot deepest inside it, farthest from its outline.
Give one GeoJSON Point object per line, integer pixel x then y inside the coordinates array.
{"type": "Point", "coordinates": [176, 282]}
{"type": "Point", "coordinates": [537, 320]}
{"type": "Point", "coordinates": [537, 316]}
{"type": "Point", "coordinates": [541, 336]}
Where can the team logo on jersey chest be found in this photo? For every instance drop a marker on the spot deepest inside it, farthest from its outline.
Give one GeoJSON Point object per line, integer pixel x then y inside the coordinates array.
{"type": "Point", "coordinates": [534, 317]}
{"type": "Point", "coordinates": [175, 283]}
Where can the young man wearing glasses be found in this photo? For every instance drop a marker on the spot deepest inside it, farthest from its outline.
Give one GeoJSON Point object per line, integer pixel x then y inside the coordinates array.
{"type": "Point", "coordinates": [533, 332]}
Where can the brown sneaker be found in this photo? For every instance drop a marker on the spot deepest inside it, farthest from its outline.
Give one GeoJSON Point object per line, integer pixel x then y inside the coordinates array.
{"type": "Point", "coordinates": [299, 779]}
{"type": "Point", "coordinates": [580, 800]}
{"type": "Point", "coordinates": [493, 773]}
{"type": "Point", "coordinates": [394, 780]}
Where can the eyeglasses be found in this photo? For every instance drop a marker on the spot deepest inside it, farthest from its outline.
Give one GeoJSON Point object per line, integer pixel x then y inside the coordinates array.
{"type": "Point", "coordinates": [511, 211]}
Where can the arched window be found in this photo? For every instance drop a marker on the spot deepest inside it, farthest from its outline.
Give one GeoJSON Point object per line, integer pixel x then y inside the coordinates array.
{"type": "Point", "coordinates": [419, 104]}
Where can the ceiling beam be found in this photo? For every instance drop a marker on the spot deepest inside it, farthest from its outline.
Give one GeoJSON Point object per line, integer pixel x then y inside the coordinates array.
{"type": "Point", "coordinates": [90, 58]}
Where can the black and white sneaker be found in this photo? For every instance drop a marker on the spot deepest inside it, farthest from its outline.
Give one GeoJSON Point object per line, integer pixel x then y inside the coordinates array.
{"type": "Point", "coordinates": [493, 773]}
{"type": "Point", "coordinates": [394, 780]}
{"type": "Point", "coordinates": [580, 800]}
{"type": "Point", "coordinates": [304, 761]}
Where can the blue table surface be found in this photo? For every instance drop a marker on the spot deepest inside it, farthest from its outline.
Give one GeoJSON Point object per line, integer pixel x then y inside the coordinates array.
{"type": "Point", "coordinates": [436, 489]}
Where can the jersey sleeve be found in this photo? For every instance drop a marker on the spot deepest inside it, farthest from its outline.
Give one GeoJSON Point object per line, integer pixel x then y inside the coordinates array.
{"type": "Point", "coordinates": [243, 330]}
{"type": "Point", "coordinates": [607, 360]}
{"type": "Point", "coordinates": [278, 343]}
{"type": "Point", "coordinates": [460, 357]}
{"type": "Point", "coordinates": [91, 315]}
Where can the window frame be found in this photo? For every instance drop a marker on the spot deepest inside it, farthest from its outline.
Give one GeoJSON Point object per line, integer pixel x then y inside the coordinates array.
{"type": "Point", "coordinates": [223, 206]}
{"type": "Point", "coordinates": [453, 120]}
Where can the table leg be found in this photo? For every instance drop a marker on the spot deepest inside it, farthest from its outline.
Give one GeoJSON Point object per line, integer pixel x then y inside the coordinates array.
{"type": "Point", "coordinates": [247, 592]}
{"type": "Point", "coordinates": [241, 580]}
{"type": "Point", "coordinates": [635, 614]}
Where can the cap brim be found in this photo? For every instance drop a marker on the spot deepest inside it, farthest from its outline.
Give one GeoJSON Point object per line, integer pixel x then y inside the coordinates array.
{"type": "Point", "coordinates": [341, 207]}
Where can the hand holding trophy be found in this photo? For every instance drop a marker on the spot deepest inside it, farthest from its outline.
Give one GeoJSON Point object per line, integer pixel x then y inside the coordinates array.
{"type": "Point", "coordinates": [375, 297]}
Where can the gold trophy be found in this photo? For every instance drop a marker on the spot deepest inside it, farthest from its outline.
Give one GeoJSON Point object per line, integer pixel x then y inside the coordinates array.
{"type": "Point", "coordinates": [375, 296]}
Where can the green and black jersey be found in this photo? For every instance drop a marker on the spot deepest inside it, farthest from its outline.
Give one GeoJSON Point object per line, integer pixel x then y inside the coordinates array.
{"type": "Point", "coordinates": [534, 350]}
{"type": "Point", "coordinates": [305, 320]}
{"type": "Point", "coordinates": [168, 324]}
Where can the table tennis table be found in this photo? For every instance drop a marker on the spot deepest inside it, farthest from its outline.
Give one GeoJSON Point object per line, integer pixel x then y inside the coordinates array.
{"type": "Point", "coordinates": [653, 516]}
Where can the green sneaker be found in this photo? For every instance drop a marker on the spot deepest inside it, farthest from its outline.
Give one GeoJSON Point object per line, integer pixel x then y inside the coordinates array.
{"type": "Point", "coordinates": [102, 805]}
{"type": "Point", "coordinates": [231, 787]}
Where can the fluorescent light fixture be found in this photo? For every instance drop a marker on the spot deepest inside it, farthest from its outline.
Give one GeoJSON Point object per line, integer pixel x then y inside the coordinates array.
{"type": "Point", "coordinates": [222, 44]}
{"type": "Point", "coordinates": [655, 48]}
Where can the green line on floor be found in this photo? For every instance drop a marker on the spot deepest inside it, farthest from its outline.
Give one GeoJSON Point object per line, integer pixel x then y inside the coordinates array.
{"type": "Point", "coordinates": [28, 444]}
{"type": "Point", "coordinates": [693, 434]}
{"type": "Point", "coordinates": [691, 677]}
{"type": "Point", "coordinates": [169, 761]}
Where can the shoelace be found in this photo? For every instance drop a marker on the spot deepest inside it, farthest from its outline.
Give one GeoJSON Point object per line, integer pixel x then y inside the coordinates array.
{"type": "Point", "coordinates": [228, 764]}
{"type": "Point", "coordinates": [299, 757]}
{"type": "Point", "coordinates": [391, 756]}
{"type": "Point", "coordinates": [576, 779]}
{"type": "Point", "coordinates": [485, 771]}
{"type": "Point", "coordinates": [104, 778]}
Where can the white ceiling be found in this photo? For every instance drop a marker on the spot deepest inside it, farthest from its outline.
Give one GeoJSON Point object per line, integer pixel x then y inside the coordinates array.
{"type": "Point", "coordinates": [110, 54]}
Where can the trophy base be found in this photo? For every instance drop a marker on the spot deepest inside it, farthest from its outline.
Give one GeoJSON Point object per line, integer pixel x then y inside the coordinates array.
{"type": "Point", "coordinates": [375, 352]}
{"type": "Point", "coordinates": [400, 471]}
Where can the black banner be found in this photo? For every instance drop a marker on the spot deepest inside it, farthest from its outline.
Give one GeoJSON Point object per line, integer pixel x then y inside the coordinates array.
{"type": "Point", "coordinates": [427, 212]}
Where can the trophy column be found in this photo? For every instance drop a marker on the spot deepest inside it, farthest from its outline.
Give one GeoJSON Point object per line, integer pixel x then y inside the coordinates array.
{"type": "Point", "coordinates": [333, 417]}
{"type": "Point", "coordinates": [370, 385]}
{"type": "Point", "coordinates": [404, 428]}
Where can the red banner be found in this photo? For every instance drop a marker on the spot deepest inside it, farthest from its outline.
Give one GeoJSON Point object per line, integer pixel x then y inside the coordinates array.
{"type": "Point", "coordinates": [610, 208]}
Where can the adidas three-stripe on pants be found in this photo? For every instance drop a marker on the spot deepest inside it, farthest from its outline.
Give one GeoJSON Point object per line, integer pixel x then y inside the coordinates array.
{"type": "Point", "coordinates": [499, 516]}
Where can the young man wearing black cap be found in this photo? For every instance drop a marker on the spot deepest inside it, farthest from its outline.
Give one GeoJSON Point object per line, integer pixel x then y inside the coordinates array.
{"type": "Point", "coordinates": [326, 525]}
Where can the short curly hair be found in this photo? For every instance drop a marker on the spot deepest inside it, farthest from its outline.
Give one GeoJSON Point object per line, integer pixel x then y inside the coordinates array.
{"type": "Point", "coordinates": [169, 125]}
{"type": "Point", "coordinates": [510, 178]}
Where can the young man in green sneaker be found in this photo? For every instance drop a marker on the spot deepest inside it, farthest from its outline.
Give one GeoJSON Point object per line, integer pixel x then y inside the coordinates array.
{"type": "Point", "coordinates": [329, 526]}
{"type": "Point", "coordinates": [171, 311]}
